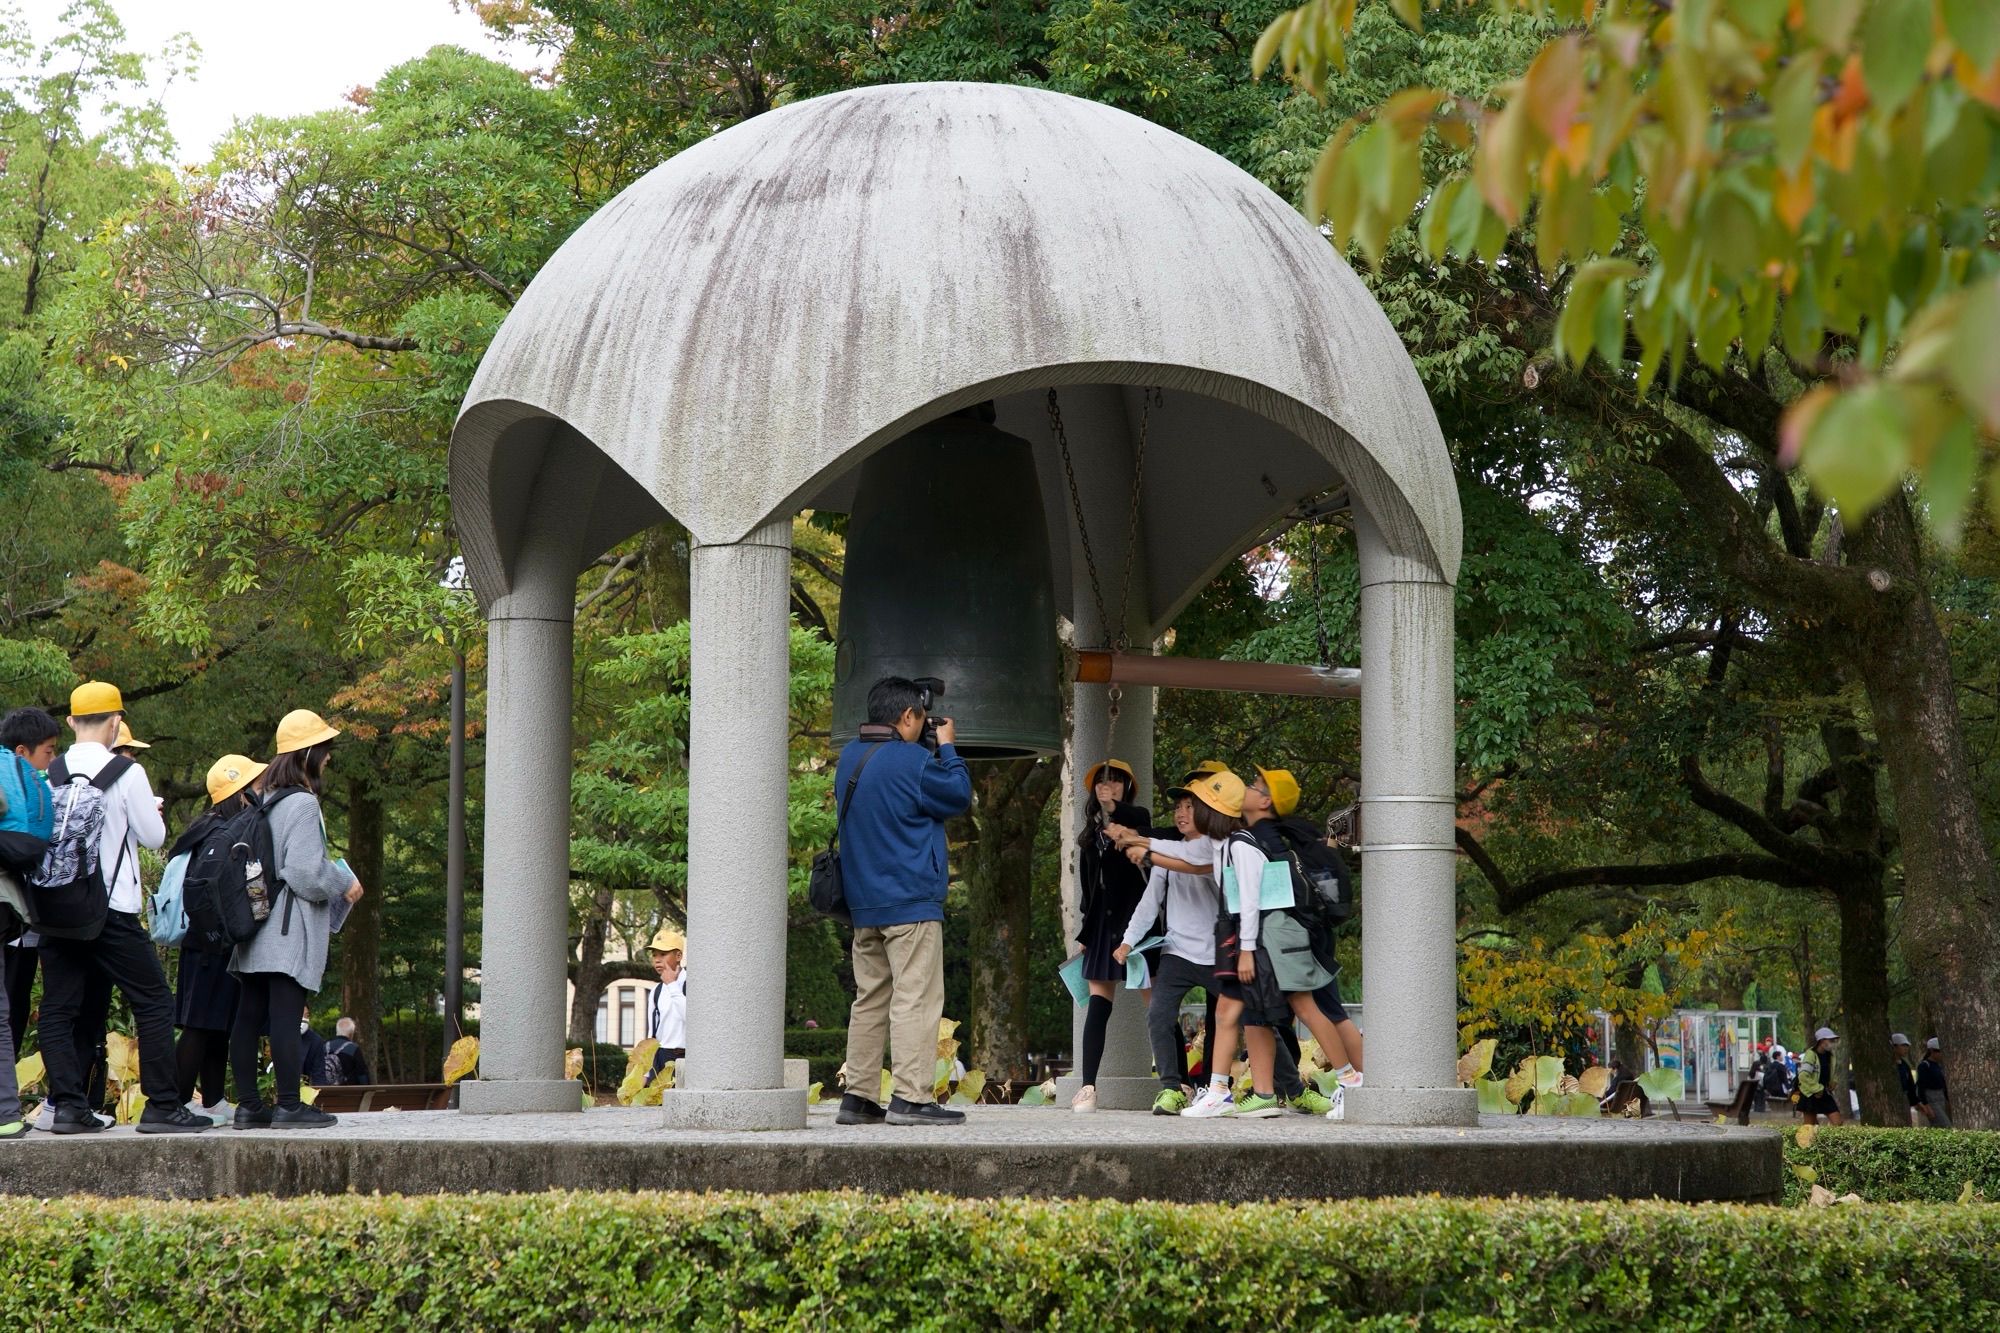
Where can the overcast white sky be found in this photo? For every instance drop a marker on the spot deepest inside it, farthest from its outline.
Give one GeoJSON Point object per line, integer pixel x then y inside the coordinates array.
{"type": "Point", "coordinates": [278, 57]}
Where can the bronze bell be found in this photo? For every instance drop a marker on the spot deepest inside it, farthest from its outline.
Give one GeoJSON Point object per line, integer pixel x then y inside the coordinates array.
{"type": "Point", "coordinates": [947, 575]}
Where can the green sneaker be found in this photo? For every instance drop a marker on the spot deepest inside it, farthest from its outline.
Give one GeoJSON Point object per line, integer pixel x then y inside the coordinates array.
{"type": "Point", "coordinates": [1171, 1101]}
{"type": "Point", "coordinates": [1312, 1101]}
{"type": "Point", "coordinates": [1257, 1106]}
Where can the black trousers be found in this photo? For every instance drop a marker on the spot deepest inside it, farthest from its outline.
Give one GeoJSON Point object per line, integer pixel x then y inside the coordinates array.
{"type": "Point", "coordinates": [77, 977]}
{"type": "Point", "coordinates": [202, 1061]}
{"type": "Point", "coordinates": [270, 1007]}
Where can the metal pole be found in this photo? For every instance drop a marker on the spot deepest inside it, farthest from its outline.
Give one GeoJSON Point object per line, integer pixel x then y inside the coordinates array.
{"type": "Point", "coordinates": [454, 865]}
{"type": "Point", "coordinates": [1096, 667]}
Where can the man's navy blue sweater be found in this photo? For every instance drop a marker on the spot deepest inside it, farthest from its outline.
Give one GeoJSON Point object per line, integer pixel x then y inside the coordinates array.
{"type": "Point", "coordinates": [892, 846]}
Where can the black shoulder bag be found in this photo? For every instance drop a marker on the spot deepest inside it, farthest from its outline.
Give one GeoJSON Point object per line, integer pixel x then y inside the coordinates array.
{"type": "Point", "coordinates": [825, 891]}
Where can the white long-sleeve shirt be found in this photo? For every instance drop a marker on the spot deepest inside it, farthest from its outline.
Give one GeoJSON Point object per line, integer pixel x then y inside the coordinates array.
{"type": "Point", "coordinates": [131, 816]}
{"type": "Point", "coordinates": [1192, 901]}
{"type": "Point", "coordinates": [1247, 859]}
{"type": "Point", "coordinates": [666, 1013]}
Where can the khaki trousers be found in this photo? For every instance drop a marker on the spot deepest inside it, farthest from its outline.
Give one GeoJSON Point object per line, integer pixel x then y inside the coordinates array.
{"type": "Point", "coordinates": [898, 1000]}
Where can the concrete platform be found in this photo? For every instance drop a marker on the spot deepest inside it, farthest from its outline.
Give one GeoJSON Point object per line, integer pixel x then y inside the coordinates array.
{"type": "Point", "coordinates": [1001, 1151]}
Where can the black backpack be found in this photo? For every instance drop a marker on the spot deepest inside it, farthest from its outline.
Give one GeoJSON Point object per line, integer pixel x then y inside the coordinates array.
{"type": "Point", "coordinates": [216, 891]}
{"type": "Point", "coordinates": [1322, 892]}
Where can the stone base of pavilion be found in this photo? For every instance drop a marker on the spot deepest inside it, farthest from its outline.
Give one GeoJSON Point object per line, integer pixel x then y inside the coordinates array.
{"type": "Point", "coordinates": [1001, 1151]}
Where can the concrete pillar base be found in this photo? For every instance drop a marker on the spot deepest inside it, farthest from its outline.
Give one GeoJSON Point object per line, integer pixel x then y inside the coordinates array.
{"type": "Point", "coordinates": [1412, 1106]}
{"type": "Point", "coordinates": [512, 1096]}
{"type": "Point", "coordinates": [1113, 1094]}
{"type": "Point", "coordinates": [734, 1108]}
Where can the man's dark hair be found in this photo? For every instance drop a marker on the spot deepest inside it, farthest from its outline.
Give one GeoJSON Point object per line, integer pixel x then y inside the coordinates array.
{"type": "Point", "coordinates": [29, 727]}
{"type": "Point", "coordinates": [297, 768]}
{"type": "Point", "coordinates": [93, 719]}
{"type": "Point", "coordinates": [892, 696]}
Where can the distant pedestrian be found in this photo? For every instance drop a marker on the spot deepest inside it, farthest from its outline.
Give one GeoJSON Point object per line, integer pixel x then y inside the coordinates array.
{"type": "Point", "coordinates": [95, 788]}
{"type": "Point", "coordinates": [1934, 1094]}
{"type": "Point", "coordinates": [1906, 1077]}
{"type": "Point", "coordinates": [667, 1003]}
{"type": "Point", "coordinates": [285, 960]}
{"type": "Point", "coordinates": [896, 795]}
{"type": "Point", "coordinates": [312, 1050]}
{"type": "Point", "coordinates": [1816, 1084]}
{"type": "Point", "coordinates": [205, 994]}
{"type": "Point", "coordinates": [346, 1063]}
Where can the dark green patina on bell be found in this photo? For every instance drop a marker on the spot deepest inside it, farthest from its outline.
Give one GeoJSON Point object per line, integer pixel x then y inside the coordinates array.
{"type": "Point", "coordinates": [947, 575]}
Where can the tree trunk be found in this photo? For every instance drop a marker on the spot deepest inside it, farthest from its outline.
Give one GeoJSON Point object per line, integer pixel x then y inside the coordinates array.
{"type": "Point", "coordinates": [1951, 911]}
{"type": "Point", "coordinates": [1007, 806]}
{"type": "Point", "coordinates": [1864, 997]}
{"type": "Point", "coordinates": [589, 977]}
{"type": "Point", "coordinates": [361, 937]}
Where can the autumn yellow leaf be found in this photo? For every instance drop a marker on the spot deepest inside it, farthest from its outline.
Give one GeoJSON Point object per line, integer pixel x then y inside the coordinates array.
{"type": "Point", "coordinates": [462, 1059]}
{"type": "Point", "coordinates": [573, 1062]}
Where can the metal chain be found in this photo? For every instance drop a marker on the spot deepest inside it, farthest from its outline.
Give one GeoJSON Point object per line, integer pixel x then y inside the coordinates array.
{"type": "Point", "coordinates": [1119, 637]}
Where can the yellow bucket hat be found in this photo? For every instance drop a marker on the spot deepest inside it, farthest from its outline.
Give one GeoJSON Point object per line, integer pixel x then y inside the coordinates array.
{"type": "Point", "coordinates": [229, 775]}
{"type": "Point", "coordinates": [1116, 765]}
{"type": "Point", "coordinates": [668, 940]}
{"type": "Point", "coordinates": [1202, 770]}
{"type": "Point", "coordinates": [1221, 792]}
{"type": "Point", "coordinates": [126, 740]}
{"type": "Point", "coordinates": [1284, 789]}
{"type": "Point", "coordinates": [302, 729]}
{"type": "Point", "coordinates": [94, 697]}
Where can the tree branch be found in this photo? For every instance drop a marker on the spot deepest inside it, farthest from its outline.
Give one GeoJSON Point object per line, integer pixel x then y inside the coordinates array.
{"type": "Point", "coordinates": [1515, 895]}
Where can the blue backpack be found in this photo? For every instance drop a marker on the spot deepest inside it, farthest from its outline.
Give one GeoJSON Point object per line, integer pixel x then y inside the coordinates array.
{"type": "Point", "coordinates": [170, 918]}
{"type": "Point", "coordinates": [27, 814]}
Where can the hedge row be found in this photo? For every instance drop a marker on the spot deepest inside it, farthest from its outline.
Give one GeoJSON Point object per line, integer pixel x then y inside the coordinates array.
{"type": "Point", "coordinates": [856, 1261]}
{"type": "Point", "coordinates": [1893, 1165]}
{"type": "Point", "coordinates": [824, 1049]}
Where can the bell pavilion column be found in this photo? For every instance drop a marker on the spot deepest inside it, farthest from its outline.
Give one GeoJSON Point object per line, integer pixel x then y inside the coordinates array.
{"type": "Point", "coordinates": [1409, 946]}
{"type": "Point", "coordinates": [738, 779]}
{"type": "Point", "coordinates": [1107, 422]}
{"type": "Point", "coordinates": [524, 932]}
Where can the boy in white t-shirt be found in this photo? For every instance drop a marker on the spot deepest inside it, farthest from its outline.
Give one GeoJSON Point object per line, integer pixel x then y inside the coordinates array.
{"type": "Point", "coordinates": [1187, 959]}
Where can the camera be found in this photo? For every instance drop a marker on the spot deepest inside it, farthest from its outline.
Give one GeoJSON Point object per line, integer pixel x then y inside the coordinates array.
{"type": "Point", "coordinates": [932, 689]}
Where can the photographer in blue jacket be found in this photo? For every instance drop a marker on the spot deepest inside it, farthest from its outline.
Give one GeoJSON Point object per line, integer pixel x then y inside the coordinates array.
{"type": "Point", "coordinates": [893, 858]}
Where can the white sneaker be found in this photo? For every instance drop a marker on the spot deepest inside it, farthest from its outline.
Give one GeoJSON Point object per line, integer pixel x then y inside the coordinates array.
{"type": "Point", "coordinates": [1085, 1100]}
{"type": "Point", "coordinates": [1339, 1100]}
{"type": "Point", "coordinates": [1351, 1079]}
{"type": "Point", "coordinates": [222, 1113]}
{"type": "Point", "coordinates": [1213, 1102]}
{"type": "Point", "coordinates": [105, 1120]}
{"type": "Point", "coordinates": [46, 1121]}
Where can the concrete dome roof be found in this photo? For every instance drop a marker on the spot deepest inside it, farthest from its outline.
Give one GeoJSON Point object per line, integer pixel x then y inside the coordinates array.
{"type": "Point", "coordinates": [742, 326]}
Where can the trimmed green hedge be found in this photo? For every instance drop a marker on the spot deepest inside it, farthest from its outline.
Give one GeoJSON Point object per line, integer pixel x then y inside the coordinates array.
{"type": "Point", "coordinates": [1894, 1165]}
{"type": "Point", "coordinates": [858, 1261]}
{"type": "Point", "coordinates": [822, 1048]}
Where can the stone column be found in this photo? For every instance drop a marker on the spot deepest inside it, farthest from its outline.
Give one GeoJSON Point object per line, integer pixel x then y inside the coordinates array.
{"type": "Point", "coordinates": [1409, 947]}
{"type": "Point", "coordinates": [1106, 421]}
{"type": "Point", "coordinates": [524, 932]}
{"type": "Point", "coordinates": [738, 779]}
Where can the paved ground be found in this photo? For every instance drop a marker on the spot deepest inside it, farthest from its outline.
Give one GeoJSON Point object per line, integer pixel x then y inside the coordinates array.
{"type": "Point", "coordinates": [1000, 1151]}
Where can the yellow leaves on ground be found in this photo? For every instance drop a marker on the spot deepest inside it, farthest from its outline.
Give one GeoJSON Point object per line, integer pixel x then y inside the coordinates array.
{"type": "Point", "coordinates": [1475, 1063]}
{"type": "Point", "coordinates": [633, 1090]}
{"type": "Point", "coordinates": [1596, 1081]}
{"type": "Point", "coordinates": [28, 1071]}
{"type": "Point", "coordinates": [121, 1058]}
{"type": "Point", "coordinates": [1806, 1135]}
{"type": "Point", "coordinates": [573, 1062]}
{"type": "Point", "coordinates": [462, 1059]}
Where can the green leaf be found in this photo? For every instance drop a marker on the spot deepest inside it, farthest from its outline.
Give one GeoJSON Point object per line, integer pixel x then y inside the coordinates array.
{"type": "Point", "coordinates": [1857, 449]}
{"type": "Point", "coordinates": [1894, 41]}
{"type": "Point", "coordinates": [1972, 366]}
{"type": "Point", "coordinates": [1548, 1073]}
{"type": "Point", "coordinates": [1794, 97]}
{"type": "Point", "coordinates": [1975, 26]}
{"type": "Point", "coordinates": [1434, 232]}
{"type": "Point", "coordinates": [1493, 1096]}
{"type": "Point", "coordinates": [1948, 481]}
{"type": "Point", "coordinates": [1831, 22]}
{"type": "Point", "coordinates": [1410, 11]}
{"type": "Point", "coordinates": [1663, 1085]}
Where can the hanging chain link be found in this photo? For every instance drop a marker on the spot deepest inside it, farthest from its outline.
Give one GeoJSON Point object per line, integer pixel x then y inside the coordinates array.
{"type": "Point", "coordinates": [1117, 631]}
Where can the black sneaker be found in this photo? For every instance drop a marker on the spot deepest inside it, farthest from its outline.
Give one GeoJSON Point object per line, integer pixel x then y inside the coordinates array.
{"type": "Point", "coordinates": [922, 1113]}
{"type": "Point", "coordinates": [252, 1117]}
{"type": "Point", "coordinates": [69, 1120]}
{"type": "Point", "coordinates": [301, 1117]}
{"type": "Point", "coordinates": [172, 1120]}
{"type": "Point", "coordinates": [858, 1110]}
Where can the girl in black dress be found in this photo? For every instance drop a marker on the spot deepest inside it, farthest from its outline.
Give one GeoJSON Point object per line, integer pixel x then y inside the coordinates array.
{"type": "Point", "coordinates": [204, 992]}
{"type": "Point", "coordinates": [1111, 887]}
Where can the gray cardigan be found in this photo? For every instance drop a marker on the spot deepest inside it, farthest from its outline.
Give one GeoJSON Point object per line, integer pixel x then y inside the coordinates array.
{"type": "Point", "coordinates": [311, 882]}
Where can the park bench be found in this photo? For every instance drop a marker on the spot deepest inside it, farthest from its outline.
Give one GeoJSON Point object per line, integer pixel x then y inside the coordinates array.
{"type": "Point", "coordinates": [386, 1097]}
